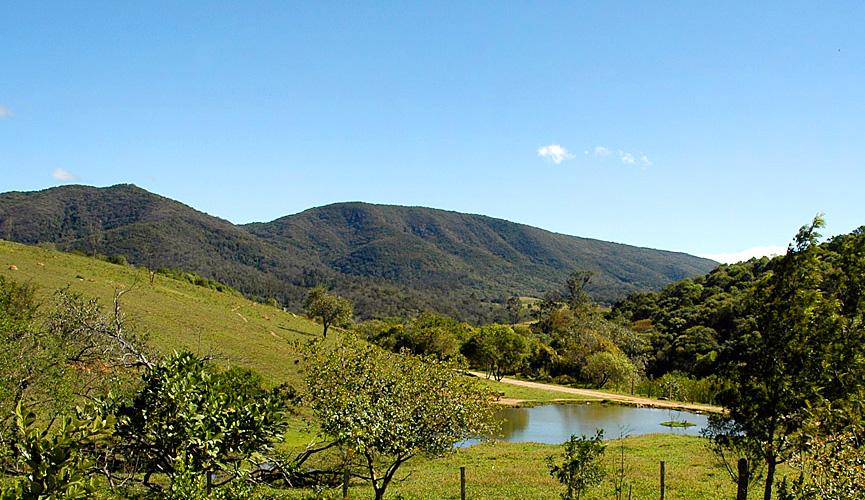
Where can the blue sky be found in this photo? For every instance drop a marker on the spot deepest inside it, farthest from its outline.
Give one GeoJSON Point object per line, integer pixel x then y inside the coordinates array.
{"type": "Point", "coordinates": [684, 126]}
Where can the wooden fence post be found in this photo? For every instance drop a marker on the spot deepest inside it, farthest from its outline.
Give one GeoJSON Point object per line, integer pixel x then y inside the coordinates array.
{"type": "Point", "coordinates": [462, 483]}
{"type": "Point", "coordinates": [744, 477]}
{"type": "Point", "coordinates": [663, 474]}
{"type": "Point", "coordinates": [345, 479]}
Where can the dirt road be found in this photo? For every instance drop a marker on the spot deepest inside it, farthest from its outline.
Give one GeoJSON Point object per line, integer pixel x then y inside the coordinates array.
{"type": "Point", "coordinates": [609, 396]}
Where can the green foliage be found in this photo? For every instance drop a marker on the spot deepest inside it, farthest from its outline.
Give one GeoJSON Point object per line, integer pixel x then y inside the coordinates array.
{"type": "Point", "coordinates": [580, 467]}
{"type": "Point", "coordinates": [514, 307]}
{"type": "Point", "coordinates": [831, 466]}
{"type": "Point", "coordinates": [603, 367]}
{"type": "Point", "coordinates": [425, 334]}
{"type": "Point", "coordinates": [188, 483]}
{"type": "Point", "coordinates": [799, 348]}
{"type": "Point", "coordinates": [55, 463]}
{"type": "Point", "coordinates": [386, 408]}
{"type": "Point", "coordinates": [497, 349]}
{"type": "Point", "coordinates": [331, 309]}
{"type": "Point", "coordinates": [195, 279]}
{"type": "Point", "coordinates": [678, 386]}
{"type": "Point", "coordinates": [188, 410]}
{"type": "Point", "coordinates": [32, 370]}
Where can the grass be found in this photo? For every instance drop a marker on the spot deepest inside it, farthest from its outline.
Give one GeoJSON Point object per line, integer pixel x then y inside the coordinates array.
{"type": "Point", "coordinates": [177, 314]}
{"type": "Point", "coordinates": [518, 470]}
{"type": "Point", "coordinates": [678, 423]}
{"type": "Point", "coordinates": [528, 396]}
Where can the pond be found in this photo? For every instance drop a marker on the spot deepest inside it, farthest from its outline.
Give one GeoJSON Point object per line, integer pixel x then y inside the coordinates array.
{"type": "Point", "coordinates": [554, 423]}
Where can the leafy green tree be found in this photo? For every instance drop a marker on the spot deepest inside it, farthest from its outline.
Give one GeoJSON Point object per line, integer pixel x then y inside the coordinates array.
{"type": "Point", "coordinates": [796, 350]}
{"type": "Point", "coordinates": [498, 349]}
{"type": "Point", "coordinates": [580, 467]}
{"type": "Point", "coordinates": [331, 309]}
{"type": "Point", "coordinates": [384, 408]}
{"type": "Point", "coordinates": [54, 461]}
{"type": "Point", "coordinates": [609, 367]}
{"type": "Point", "coordinates": [187, 408]}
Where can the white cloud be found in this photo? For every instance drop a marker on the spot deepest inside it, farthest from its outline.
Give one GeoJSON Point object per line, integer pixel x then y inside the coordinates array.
{"type": "Point", "coordinates": [555, 153]}
{"type": "Point", "coordinates": [63, 175]}
{"type": "Point", "coordinates": [645, 161]}
{"type": "Point", "coordinates": [733, 257]}
{"type": "Point", "coordinates": [5, 112]}
{"type": "Point", "coordinates": [627, 158]}
{"type": "Point", "coordinates": [601, 151]}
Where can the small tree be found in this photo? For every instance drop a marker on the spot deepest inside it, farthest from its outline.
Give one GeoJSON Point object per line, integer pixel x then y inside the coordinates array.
{"type": "Point", "coordinates": [580, 468]}
{"type": "Point", "coordinates": [187, 411]}
{"type": "Point", "coordinates": [386, 408]}
{"type": "Point", "coordinates": [575, 289]}
{"type": "Point", "coordinates": [332, 310]}
{"type": "Point", "coordinates": [514, 307]}
{"type": "Point", "coordinates": [603, 367]}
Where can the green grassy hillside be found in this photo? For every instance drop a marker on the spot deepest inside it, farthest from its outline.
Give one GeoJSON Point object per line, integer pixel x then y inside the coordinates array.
{"type": "Point", "coordinates": [178, 315]}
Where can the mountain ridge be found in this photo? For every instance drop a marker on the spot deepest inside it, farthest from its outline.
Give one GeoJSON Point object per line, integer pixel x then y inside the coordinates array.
{"type": "Point", "coordinates": [390, 259]}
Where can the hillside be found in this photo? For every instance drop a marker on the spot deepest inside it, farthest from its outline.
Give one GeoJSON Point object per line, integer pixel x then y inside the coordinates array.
{"type": "Point", "coordinates": [443, 251]}
{"type": "Point", "coordinates": [176, 314]}
{"type": "Point", "coordinates": [390, 260]}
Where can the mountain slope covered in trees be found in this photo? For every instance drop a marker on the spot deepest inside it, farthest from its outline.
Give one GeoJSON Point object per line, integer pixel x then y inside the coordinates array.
{"type": "Point", "coordinates": [389, 259]}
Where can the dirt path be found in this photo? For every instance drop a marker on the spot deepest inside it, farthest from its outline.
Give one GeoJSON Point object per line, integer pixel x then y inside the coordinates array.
{"type": "Point", "coordinates": [609, 396]}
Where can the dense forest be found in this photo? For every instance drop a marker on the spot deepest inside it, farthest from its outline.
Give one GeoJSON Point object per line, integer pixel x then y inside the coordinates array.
{"type": "Point", "coordinates": [389, 260]}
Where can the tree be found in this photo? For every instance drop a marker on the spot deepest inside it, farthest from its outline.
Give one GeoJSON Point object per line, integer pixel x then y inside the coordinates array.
{"type": "Point", "coordinates": [498, 349]}
{"type": "Point", "coordinates": [581, 466]}
{"type": "Point", "coordinates": [603, 367]}
{"type": "Point", "coordinates": [575, 289]}
{"type": "Point", "coordinates": [332, 310]}
{"type": "Point", "coordinates": [384, 408]}
{"type": "Point", "coordinates": [514, 308]}
{"type": "Point", "coordinates": [189, 412]}
{"type": "Point", "coordinates": [796, 350]}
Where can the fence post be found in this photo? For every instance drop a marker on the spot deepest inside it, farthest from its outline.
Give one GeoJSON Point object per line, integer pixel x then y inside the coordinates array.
{"type": "Point", "coordinates": [663, 473]}
{"type": "Point", "coordinates": [345, 478]}
{"type": "Point", "coordinates": [462, 483]}
{"type": "Point", "coordinates": [744, 477]}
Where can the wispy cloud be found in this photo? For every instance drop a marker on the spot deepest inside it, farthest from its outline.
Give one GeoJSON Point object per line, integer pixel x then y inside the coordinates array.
{"type": "Point", "coordinates": [627, 158]}
{"type": "Point", "coordinates": [5, 112]}
{"type": "Point", "coordinates": [602, 151]}
{"type": "Point", "coordinates": [555, 153]}
{"type": "Point", "coordinates": [63, 175]}
{"type": "Point", "coordinates": [733, 257]}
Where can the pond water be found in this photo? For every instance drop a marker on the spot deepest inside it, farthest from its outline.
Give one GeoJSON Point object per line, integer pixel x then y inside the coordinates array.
{"type": "Point", "coordinates": [554, 423]}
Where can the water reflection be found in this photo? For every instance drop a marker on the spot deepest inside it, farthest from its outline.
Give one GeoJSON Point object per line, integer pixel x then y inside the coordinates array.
{"type": "Point", "coordinates": [555, 423]}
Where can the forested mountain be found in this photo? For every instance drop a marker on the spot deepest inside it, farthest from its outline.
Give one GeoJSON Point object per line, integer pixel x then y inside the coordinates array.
{"type": "Point", "coordinates": [388, 259]}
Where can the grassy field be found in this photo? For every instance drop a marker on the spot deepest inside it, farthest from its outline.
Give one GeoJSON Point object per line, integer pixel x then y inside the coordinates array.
{"type": "Point", "coordinates": [519, 471]}
{"type": "Point", "coordinates": [178, 315]}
